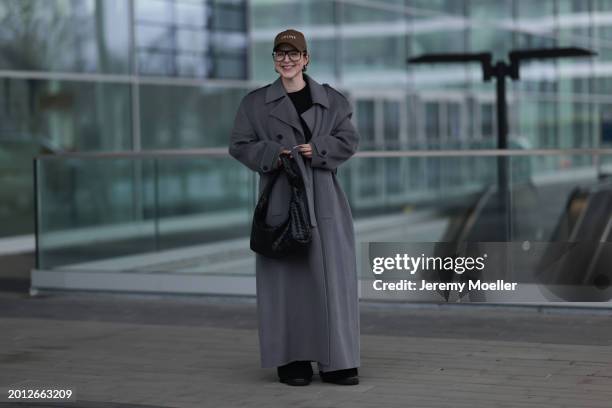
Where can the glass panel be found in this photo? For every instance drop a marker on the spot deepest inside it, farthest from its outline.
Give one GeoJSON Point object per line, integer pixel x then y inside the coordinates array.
{"type": "Point", "coordinates": [374, 12]}
{"type": "Point", "coordinates": [229, 15]}
{"type": "Point", "coordinates": [536, 24]}
{"type": "Point", "coordinates": [391, 125]}
{"type": "Point", "coordinates": [490, 31]}
{"type": "Point", "coordinates": [56, 35]}
{"type": "Point", "coordinates": [368, 59]}
{"type": "Point", "coordinates": [454, 124]}
{"type": "Point", "coordinates": [605, 125]}
{"type": "Point", "coordinates": [39, 117]}
{"type": "Point", "coordinates": [203, 202]}
{"type": "Point", "coordinates": [95, 209]}
{"type": "Point", "coordinates": [488, 129]}
{"type": "Point", "coordinates": [229, 55]}
{"type": "Point", "coordinates": [192, 38]}
{"type": "Point", "coordinates": [436, 7]}
{"type": "Point", "coordinates": [268, 14]}
{"type": "Point", "coordinates": [432, 124]}
{"type": "Point", "coordinates": [365, 124]}
{"type": "Point", "coordinates": [128, 215]}
{"type": "Point", "coordinates": [262, 62]}
{"type": "Point", "coordinates": [16, 199]}
{"type": "Point", "coordinates": [66, 116]}
{"type": "Point", "coordinates": [603, 32]}
{"type": "Point", "coordinates": [174, 117]}
{"type": "Point", "coordinates": [324, 59]}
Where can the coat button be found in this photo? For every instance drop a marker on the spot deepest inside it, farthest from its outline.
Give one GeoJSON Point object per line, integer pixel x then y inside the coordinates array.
{"type": "Point", "coordinates": [279, 137]}
{"type": "Point", "coordinates": [265, 167]}
{"type": "Point", "coordinates": [323, 152]}
{"type": "Point", "coordinates": [323, 163]}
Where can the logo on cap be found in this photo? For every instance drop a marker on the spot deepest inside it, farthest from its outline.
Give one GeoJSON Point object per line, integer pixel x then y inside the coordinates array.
{"type": "Point", "coordinates": [292, 37]}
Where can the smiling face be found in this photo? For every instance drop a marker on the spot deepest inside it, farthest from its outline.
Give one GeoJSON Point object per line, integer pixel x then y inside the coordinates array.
{"type": "Point", "coordinates": [289, 67]}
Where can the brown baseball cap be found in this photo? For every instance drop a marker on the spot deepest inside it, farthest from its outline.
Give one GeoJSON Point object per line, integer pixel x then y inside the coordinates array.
{"type": "Point", "coordinates": [292, 37]}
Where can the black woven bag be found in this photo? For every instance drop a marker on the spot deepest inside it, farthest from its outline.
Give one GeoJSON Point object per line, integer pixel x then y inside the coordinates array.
{"type": "Point", "coordinates": [291, 237]}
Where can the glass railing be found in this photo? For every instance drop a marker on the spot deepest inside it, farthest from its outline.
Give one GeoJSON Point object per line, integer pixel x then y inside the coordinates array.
{"type": "Point", "coordinates": [180, 221]}
{"type": "Point", "coordinates": [100, 210]}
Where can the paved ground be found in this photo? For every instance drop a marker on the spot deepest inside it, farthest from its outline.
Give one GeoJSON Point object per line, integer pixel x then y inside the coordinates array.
{"type": "Point", "coordinates": [153, 351]}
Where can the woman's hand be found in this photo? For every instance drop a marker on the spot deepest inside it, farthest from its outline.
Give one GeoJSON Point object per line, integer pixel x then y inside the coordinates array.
{"type": "Point", "coordinates": [306, 150]}
{"type": "Point", "coordinates": [279, 163]}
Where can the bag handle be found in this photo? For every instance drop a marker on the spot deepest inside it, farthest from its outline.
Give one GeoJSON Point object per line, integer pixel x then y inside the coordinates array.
{"type": "Point", "coordinates": [293, 173]}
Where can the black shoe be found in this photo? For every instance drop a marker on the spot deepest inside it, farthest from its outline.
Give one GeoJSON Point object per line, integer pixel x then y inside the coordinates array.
{"type": "Point", "coordinates": [347, 376]}
{"type": "Point", "coordinates": [295, 373]}
{"type": "Point", "coordinates": [295, 381]}
{"type": "Point", "coordinates": [343, 381]}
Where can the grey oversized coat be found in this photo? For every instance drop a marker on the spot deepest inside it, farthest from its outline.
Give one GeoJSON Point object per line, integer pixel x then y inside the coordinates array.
{"type": "Point", "coordinates": [307, 306]}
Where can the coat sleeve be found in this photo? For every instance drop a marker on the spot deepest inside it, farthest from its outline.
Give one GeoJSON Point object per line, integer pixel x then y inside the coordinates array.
{"type": "Point", "coordinates": [245, 146]}
{"type": "Point", "coordinates": [329, 151]}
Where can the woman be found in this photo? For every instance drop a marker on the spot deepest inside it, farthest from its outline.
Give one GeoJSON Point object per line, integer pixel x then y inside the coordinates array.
{"type": "Point", "coordinates": [307, 305]}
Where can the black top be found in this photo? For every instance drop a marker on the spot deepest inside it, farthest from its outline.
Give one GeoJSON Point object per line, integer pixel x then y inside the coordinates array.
{"type": "Point", "coordinates": [302, 101]}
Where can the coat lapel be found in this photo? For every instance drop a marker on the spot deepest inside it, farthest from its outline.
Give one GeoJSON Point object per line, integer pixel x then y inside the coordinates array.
{"type": "Point", "coordinates": [314, 116]}
{"type": "Point", "coordinates": [285, 111]}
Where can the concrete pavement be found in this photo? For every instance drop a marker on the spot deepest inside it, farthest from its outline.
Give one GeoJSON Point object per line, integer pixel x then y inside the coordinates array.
{"type": "Point", "coordinates": [190, 351]}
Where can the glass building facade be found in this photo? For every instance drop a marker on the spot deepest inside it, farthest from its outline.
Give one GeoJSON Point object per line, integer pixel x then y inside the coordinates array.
{"type": "Point", "coordinates": [123, 75]}
{"type": "Point", "coordinates": [364, 47]}
{"type": "Point", "coordinates": [112, 75]}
